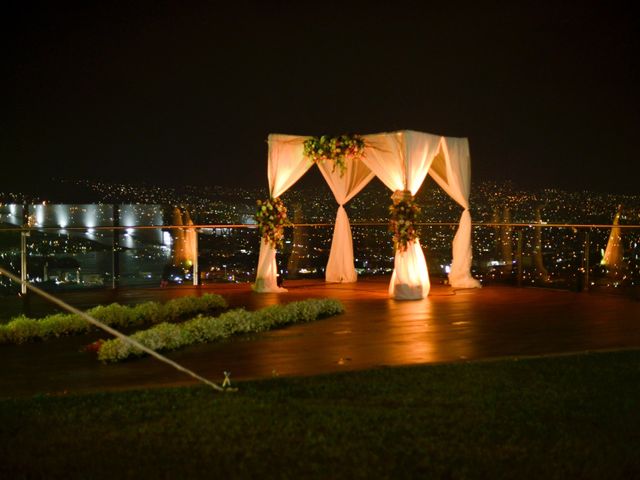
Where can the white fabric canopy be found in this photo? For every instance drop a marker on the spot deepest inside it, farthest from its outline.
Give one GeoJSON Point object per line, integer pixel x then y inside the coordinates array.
{"type": "Point", "coordinates": [286, 165]}
{"type": "Point", "coordinates": [452, 171]}
{"type": "Point", "coordinates": [340, 267]}
{"type": "Point", "coordinates": [401, 160]}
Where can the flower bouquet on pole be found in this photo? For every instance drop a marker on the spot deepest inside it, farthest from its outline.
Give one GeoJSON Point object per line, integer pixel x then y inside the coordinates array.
{"type": "Point", "coordinates": [404, 213]}
{"type": "Point", "coordinates": [271, 217]}
{"type": "Point", "coordinates": [339, 149]}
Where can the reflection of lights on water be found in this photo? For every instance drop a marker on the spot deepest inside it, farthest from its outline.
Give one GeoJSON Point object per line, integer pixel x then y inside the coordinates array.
{"type": "Point", "coordinates": [91, 231]}
{"type": "Point", "coordinates": [128, 240]}
{"type": "Point", "coordinates": [129, 231]}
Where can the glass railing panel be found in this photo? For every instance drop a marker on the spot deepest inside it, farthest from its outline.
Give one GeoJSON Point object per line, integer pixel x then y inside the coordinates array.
{"type": "Point", "coordinates": [9, 260]}
{"type": "Point", "coordinates": [306, 251]}
{"type": "Point", "coordinates": [228, 254]}
{"type": "Point", "coordinates": [436, 243]}
{"type": "Point", "coordinates": [142, 256]}
{"type": "Point", "coordinates": [83, 257]}
{"type": "Point", "coordinates": [614, 260]}
{"type": "Point", "coordinates": [142, 253]}
{"type": "Point", "coordinates": [567, 257]}
{"type": "Point", "coordinates": [372, 249]}
{"type": "Point", "coordinates": [11, 217]}
{"type": "Point", "coordinates": [67, 259]}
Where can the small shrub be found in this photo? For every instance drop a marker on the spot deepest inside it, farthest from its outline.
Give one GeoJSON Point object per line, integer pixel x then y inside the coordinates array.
{"type": "Point", "coordinates": [115, 315]}
{"type": "Point", "coordinates": [61, 324]}
{"type": "Point", "coordinates": [163, 335]}
{"type": "Point", "coordinates": [201, 329]}
{"type": "Point", "coordinates": [116, 351]}
{"type": "Point", "coordinates": [145, 313]}
{"type": "Point", "coordinates": [23, 329]}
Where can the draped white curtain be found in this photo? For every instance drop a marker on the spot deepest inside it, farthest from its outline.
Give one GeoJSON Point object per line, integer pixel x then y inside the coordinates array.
{"type": "Point", "coordinates": [452, 171]}
{"type": "Point", "coordinates": [401, 160]}
{"type": "Point", "coordinates": [286, 165]}
{"type": "Point", "coordinates": [340, 267]}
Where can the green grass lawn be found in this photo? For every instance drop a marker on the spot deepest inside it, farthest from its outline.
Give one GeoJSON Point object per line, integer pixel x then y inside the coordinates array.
{"type": "Point", "coordinates": [564, 417]}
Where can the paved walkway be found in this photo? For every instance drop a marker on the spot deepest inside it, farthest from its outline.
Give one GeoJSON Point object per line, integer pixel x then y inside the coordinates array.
{"type": "Point", "coordinates": [375, 331]}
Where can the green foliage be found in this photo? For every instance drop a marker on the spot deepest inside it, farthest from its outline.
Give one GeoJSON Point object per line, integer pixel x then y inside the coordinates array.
{"type": "Point", "coordinates": [23, 329]}
{"type": "Point", "coordinates": [60, 324]}
{"type": "Point", "coordinates": [154, 312]}
{"type": "Point", "coordinates": [271, 216]}
{"type": "Point", "coordinates": [404, 214]}
{"type": "Point", "coordinates": [203, 329]}
{"type": "Point", "coordinates": [115, 315]}
{"type": "Point", "coordinates": [339, 149]}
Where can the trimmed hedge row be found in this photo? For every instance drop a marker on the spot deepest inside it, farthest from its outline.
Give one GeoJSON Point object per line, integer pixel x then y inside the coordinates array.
{"type": "Point", "coordinates": [167, 336]}
{"type": "Point", "coordinates": [23, 329]}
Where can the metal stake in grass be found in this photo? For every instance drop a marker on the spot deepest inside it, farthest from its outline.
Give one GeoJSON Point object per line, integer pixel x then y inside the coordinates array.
{"type": "Point", "coordinates": [114, 332]}
{"type": "Point", "coordinates": [226, 383]}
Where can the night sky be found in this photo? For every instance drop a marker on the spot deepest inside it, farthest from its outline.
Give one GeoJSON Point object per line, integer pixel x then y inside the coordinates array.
{"type": "Point", "coordinates": [187, 92]}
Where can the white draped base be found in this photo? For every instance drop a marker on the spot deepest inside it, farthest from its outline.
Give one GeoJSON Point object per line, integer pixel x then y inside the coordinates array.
{"type": "Point", "coordinates": [410, 278]}
{"type": "Point", "coordinates": [340, 266]}
{"type": "Point", "coordinates": [267, 275]}
{"type": "Point", "coordinates": [460, 273]}
{"type": "Point", "coordinates": [285, 167]}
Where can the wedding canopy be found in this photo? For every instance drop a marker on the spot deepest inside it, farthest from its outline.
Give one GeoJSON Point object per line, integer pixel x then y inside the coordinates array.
{"type": "Point", "coordinates": [401, 160]}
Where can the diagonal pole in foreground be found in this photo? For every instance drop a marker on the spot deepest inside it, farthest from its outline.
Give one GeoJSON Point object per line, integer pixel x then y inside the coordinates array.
{"type": "Point", "coordinates": [110, 330]}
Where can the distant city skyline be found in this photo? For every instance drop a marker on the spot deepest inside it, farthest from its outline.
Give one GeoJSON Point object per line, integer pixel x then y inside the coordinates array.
{"type": "Point", "coordinates": [186, 93]}
{"type": "Point", "coordinates": [233, 205]}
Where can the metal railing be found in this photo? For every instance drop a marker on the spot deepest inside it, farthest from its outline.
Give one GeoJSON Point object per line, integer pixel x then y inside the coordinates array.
{"type": "Point", "coordinates": [560, 255]}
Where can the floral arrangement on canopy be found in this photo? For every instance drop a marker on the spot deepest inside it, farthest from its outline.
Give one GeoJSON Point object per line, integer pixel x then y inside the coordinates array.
{"type": "Point", "coordinates": [338, 149]}
{"type": "Point", "coordinates": [404, 212]}
{"type": "Point", "coordinates": [271, 216]}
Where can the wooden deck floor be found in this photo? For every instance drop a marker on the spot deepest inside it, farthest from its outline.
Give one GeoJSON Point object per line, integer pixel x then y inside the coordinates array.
{"type": "Point", "coordinates": [374, 331]}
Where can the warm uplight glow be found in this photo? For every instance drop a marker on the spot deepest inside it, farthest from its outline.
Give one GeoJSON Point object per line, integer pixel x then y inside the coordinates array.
{"type": "Point", "coordinates": [410, 279]}
{"type": "Point", "coordinates": [612, 256]}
